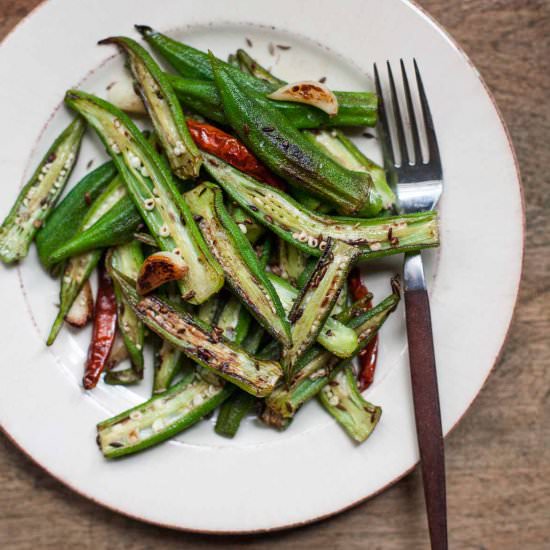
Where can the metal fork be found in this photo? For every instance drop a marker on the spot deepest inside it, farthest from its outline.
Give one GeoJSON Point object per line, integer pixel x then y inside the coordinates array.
{"type": "Point", "coordinates": [419, 185]}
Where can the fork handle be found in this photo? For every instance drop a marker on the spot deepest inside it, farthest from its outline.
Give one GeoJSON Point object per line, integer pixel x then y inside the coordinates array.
{"type": "Point", "coordinates": [427, 413]}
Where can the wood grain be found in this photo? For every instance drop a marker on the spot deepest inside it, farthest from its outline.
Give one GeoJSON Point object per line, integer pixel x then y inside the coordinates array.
{"type": "Point", "coordinates": [498, 460]}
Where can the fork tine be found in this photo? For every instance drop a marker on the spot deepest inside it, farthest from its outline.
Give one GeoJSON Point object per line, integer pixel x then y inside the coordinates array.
{"type": "Point", "coordinates": [412, 116]}
{"type": "Point", "coordinates": [398, 120]}
{"type": "Point", "coordinates": [428, 122]}
{"type": "Point", "coordinates": [382, 117]}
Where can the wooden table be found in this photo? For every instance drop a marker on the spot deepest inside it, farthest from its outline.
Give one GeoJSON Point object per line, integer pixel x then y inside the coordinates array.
{"type": "Point", "coordinates": [498, 460]}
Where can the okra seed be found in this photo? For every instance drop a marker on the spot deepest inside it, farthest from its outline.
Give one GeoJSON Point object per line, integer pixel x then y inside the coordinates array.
{"type": "Point", "coordinates": [176, 251]}
{"type": "Point", "coordinates": [164, 231]}
{"type": "Point", "coordinates": [115, 148]}
{"type": "Point", "coordinates": [313, 242]}
{"type": "Point", "coordinates": [133, 160]}
{"type": "Point", "coordinates": [243, 228]}
{"type": "Point", "coordinates": [198, 400]}
{"type": "Point", "coordinates": [157, 425]}
{"type": "Point", "coordinates": [322, 245]}
{"type": "Point", "coordinates": [144, 172]}
{"type": "Point", "coordinates": [116, 123]}
{"type": "Point", "coordinates": [375, 246]}
{"type": "Point", "coordinates": [333, 401]}
{"type": "Point", "coordinates": [149, 204]}
{"type": "Point", "coordinates": [136, 415]}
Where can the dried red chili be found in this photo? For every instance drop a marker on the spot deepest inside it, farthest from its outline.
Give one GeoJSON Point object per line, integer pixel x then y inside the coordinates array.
{"type": "Point", "coordinates": [231, 150]}
{"type": "Point", "coordinates": [369, 355]}
{"type": "Point", "coordinates": [104, 331]}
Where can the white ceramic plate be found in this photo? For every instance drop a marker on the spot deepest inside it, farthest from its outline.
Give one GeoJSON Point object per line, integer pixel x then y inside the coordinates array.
{"type": "Point", "coordinates": [262, 479]}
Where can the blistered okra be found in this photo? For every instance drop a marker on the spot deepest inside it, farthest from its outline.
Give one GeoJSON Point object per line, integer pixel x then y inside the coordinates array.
{"type": "Point", "coordinates": [343, 401]}
{"type": "Point", "coordinates": [37, 198]}
{"type": "Point", "coordinates": [154, 193]}
{"type": "Point", "coordinates": [163, 108]}
{"type": "Point", "coordinates": [309, 231]}
{"type": "Point", "coordinates": [316, 300]}
{"type": "Point", "coordinates": [202, 344]}
{"type": "Point", "coordinates": [284, 150]}
{"type": "Point", "coordinates": [235, 254]}
{"type": "Point", "coordinates": [318, 367]}
{"type": "Point", "coordinates": [160, 418]}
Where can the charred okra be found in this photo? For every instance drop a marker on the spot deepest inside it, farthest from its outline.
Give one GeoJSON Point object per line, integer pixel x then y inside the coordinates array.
{"type": "Point", "coordinates": [154, 193]}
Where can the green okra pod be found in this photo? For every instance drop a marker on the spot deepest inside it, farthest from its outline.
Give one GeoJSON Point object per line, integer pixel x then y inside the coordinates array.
{"type": "Point", "coordinates": [202, 344]}
{"type": "Point", "coordinates": [339, 147]}
{"type": "Point", "coordinates": [254, 69]}
{"type": "Point", "coordinates": [37, 198]}
{"type": "Point", "coordinates": [355, 108]}
{"type": "Point", "coordinates": [342, 399]}
{"type": "Point", "coordinates": [239, 262]}
{"type": "Point", "coordinates": [127, 259]}
{"type": "Point", "coordinates": [319, 367]}
{"type": "Point", "coordinates": [160, 418]}
{"type": "Point", "coordinates": [292, 261]}
{"type": "Point", "coordinates": [286, 152]}
{"type": "Point", "coordinates": [163, 108]}
{"type": "Point", "coordinates": [334, 336]}
{"type": "Point", "coordinates": [316, 300]}
{"type": "Point", "coordinates": [309, 231]}
{"type": "Point", "coordinates": [66, 218]}
{"type": "Point", "coordinates": [154, 193]}
{"type": "Point", "coordinates": [78, 268]}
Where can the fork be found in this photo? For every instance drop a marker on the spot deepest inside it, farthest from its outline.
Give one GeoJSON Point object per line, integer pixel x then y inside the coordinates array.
{"type": "Point", "coordinates": [419, 185]}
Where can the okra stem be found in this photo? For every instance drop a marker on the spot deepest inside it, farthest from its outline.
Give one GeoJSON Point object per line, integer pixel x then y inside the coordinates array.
{"type": "Point", "coordinates": [39, 195]}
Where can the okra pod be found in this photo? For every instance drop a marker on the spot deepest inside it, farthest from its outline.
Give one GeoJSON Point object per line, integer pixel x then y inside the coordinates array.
{"type": "Point", "coordinates": [78, 268]}
{"type": "Point", "coordinates": [285, 151]}
{"type": "Point", "coordinates": [355, 108]}
{"type": "Point", "coordinates": [201, 344]}
{"type": "Point", "coordinates": [127, 259]}
{"type": "Point", "coordinates": [116, 226]}
{"type": "Point", "coordinates": [154, 193]}
{"type": "Point", "coordinates": [339, 147]}
{"type": "Point", "coordinates": [163, 107]}
{"type": "Point", "coordinates": [232, 412]}
{"type": "Point", "coordinates": [240, 265]}
{"type": "Point", "coordinates": [37, 198]}
{"type": "Point", "coordinates": [320, 366]}
{"type": "Point", "coordinates": [309, 231]}
{"type": "Point", "coordinates": [343, 401]}
{"type": "Point", "coordinates": [234, 320]}
{"type": "Point", "coordinates": [316, 300]}
{"type": "Point", "coordinates": [160, 418]}
{"type": "Point", "coordinates": [66, 218]}
{"type": "Point", "coordinates": [334, 336]}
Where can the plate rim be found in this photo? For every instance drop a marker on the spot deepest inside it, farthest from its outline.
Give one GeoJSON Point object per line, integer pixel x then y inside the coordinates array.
{"type": "Point", "coordinates": [457, 45]}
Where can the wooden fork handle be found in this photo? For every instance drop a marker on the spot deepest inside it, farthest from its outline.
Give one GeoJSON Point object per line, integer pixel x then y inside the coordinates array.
{"type": "Point", "coordinates": [427, 413]}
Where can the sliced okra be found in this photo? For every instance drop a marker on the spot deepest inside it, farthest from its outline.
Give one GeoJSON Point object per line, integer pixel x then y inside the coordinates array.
{"type": "Point", "coordinates": [163, 108]}
{"type": "Point", "coordinates": [154, 193]}
{"type": "Point", "coordinates": [37, 198]}
{"type": "Point", "coordinates": [309, 231]}
{"type": "Point", "coordinates": [316, 300]}
{"type": "Point", "coordinates": [342, 399]}
{"type": "Point", "coordinates": [202, 344]}
{"type": "Point", "coordinates": [239, 262]}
